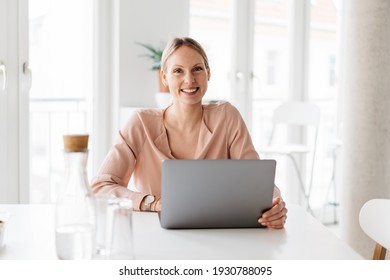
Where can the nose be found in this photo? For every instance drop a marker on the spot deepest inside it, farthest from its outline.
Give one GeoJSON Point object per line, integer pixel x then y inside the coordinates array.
{"type": "Point", "coordinates": [189, 78]}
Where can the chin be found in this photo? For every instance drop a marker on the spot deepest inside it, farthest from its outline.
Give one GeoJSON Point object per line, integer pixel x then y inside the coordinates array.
{"type": "Point", "coordinates": [192, 100]}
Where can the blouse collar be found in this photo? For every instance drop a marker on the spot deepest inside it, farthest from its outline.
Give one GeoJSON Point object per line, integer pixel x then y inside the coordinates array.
{"type": "Point", "coordinates": [205, 136]}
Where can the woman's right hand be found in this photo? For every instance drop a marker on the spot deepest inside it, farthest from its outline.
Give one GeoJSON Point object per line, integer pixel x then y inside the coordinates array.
{"type": "Point", "coordinates": [276, 216]}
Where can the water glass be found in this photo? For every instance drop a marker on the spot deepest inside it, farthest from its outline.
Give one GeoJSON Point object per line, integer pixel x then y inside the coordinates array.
{"type": "Point", "coordinates": [114, 238]}
{"type": "Point", "coordinates": [122, 234]}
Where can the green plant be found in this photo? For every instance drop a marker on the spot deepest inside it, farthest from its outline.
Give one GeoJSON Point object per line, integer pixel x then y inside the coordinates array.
{"type": "Point", "coordinates": [155, 54]}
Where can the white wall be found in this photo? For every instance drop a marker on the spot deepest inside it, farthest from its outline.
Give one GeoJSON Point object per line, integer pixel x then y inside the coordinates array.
{"type": "Point", "coordinates": [152, 22]}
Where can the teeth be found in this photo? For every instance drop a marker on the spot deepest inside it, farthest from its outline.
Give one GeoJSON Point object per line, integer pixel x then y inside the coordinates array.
{"type": "Point", "coordinates": [189, 90]}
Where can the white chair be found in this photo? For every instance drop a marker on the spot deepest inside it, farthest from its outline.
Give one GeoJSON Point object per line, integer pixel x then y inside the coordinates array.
{"type": "Point", "coordinates": [374, 221]}
{"type": "Point", "coordinates": [301, 114]}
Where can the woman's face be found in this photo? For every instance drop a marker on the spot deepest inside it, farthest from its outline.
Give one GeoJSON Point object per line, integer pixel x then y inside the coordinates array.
{"type": "Point", "coordinates": [186, 75]}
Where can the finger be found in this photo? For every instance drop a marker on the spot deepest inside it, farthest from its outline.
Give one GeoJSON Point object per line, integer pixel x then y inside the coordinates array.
{"type": "Point", "coordinates": [274, 219]}
{"type": "Point", "coordinates": [277, 224]}
{"type": "Point", "coordinates": [276, 201]}
{"type": "Point", "coordinates": [275, 210]}
{"type": "Point", "coordinates": [278, 216]}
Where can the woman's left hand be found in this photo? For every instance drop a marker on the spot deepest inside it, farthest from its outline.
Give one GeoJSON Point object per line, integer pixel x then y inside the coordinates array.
{"type": "Point", "coordinates": [276, 216]}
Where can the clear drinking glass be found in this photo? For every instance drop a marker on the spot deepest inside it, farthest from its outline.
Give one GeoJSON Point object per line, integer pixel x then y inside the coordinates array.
{"type": "Point", "coordinates": [122, 246]}
{"type": "Point", "coordinates": [114, 236]}
{"type": "Point", "coordinates": [104, 222]}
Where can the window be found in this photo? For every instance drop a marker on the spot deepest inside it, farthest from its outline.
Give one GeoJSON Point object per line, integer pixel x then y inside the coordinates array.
{"type": "Point", "coordinates": [323, 88]}
{"type": "Point", "coordinates": [332, 70]}
{"type": "Point", "coordinates": [272, 68]}
{"type": "Point", "coordinates": [15, 81]}
{"type": "Point", "coordinates": [270, 83]}
{"type": "Point", "coordinates": [61, 93]}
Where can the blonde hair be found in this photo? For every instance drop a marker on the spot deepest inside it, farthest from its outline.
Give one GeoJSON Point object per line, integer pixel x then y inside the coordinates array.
{"type": "Point", "coordinates": [176, 43]}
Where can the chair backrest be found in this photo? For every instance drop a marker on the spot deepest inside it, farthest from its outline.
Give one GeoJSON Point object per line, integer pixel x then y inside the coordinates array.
{"type": "Point", "coordinates": [302, 114]}
{"type": "Point", "coordinates": [374, 219]}
{"type": "Point", "coordinates": [297, 113]}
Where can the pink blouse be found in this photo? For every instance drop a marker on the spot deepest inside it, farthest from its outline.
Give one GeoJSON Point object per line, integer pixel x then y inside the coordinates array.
{"type": "Point", "coordinates": [143, 144]}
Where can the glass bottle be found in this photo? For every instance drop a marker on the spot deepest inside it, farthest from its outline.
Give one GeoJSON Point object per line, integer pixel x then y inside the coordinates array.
{"type": "Point", "coordinates": [74, 225]}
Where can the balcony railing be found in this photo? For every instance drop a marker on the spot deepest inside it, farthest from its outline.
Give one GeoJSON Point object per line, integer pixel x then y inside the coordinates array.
{"type": "Point", "coordinates": [49, 120]}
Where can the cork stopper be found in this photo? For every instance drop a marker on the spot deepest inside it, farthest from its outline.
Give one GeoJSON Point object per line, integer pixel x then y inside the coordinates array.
{"type": "Point", "coordinates": [76, 143]}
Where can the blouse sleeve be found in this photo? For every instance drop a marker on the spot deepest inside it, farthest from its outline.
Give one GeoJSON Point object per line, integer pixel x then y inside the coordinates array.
{"type": "Point", "coordinates": [118, 166]}
{"type": "Point", "coordinates": [239, 140]}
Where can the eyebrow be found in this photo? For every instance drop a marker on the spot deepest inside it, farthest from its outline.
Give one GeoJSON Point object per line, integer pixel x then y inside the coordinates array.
{"type": "Point", "coordinates": [178, 65]}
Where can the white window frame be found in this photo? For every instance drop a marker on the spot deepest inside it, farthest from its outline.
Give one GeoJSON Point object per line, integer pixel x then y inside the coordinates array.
{"type": "Point", "coordinates": [242, 57]}
{"type": "Point", "coordinates": [14, 125]}
{"type": "Point", "coordinates": [105, 78]}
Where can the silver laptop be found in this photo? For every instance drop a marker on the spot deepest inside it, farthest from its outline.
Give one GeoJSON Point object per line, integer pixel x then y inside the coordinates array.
{"type": "Point", "coordinates": [215, 193]}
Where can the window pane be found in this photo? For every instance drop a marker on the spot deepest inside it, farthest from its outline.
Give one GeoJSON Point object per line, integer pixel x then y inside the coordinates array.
{"type": "Point", "coordinates": [270, 67]}
{"type": "Point", "coordinates": [323, 89]}
{"type": "Point", "coordinates": [60, 97]}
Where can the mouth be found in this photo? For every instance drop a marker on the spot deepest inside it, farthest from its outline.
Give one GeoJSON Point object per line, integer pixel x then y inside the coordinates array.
{"type": "Point", "coordinates": [189, 91]}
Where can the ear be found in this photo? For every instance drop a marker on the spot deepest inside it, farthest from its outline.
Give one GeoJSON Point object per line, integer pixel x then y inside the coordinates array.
{"type": "Point", "coordinates": [163, 77]}
{"type": "Point", "coordinates": [208, 74]}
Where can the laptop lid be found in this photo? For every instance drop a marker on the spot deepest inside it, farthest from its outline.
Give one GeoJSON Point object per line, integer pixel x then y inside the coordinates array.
{"type": "Point", "coordinates": [215, 193]}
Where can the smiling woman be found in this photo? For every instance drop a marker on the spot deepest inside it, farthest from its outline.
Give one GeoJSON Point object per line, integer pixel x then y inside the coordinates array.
{"type": "Point", "coordinates": [186, 129]}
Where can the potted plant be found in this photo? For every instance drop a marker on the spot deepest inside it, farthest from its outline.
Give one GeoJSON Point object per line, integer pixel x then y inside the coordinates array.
{"type": "Point", "coordinates": [155, 54]}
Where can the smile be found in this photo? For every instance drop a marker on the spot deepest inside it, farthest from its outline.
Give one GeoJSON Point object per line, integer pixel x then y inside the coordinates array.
{"type": "Point", "coordinates": [189, 91]}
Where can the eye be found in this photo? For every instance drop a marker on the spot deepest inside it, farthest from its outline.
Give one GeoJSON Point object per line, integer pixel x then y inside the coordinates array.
{"type": "Point", "coordinates": [177, 71]}
{"type": "Point", "coordinates": [198, 69]}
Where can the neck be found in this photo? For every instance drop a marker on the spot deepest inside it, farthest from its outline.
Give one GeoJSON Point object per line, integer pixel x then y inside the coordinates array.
{"type": "Point", "coordinates": [184, 117]}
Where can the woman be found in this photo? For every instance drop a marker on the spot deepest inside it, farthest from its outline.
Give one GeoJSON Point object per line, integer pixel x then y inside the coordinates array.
{"type": "Point", "coordinates": [186, 129]}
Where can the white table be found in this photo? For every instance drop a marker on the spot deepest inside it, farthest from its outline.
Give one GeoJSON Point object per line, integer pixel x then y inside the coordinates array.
{"type": "Point", "coordinates": [30, 235]}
